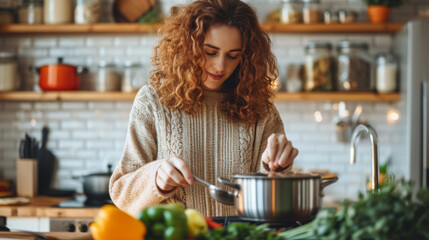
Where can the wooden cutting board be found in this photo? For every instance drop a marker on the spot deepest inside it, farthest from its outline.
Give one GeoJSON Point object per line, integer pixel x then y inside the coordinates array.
{"type": "Point", "coordinates": [131, 10]}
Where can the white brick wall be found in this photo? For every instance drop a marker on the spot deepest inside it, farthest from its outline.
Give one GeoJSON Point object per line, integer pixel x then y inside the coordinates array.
{"type": "Point", "coordinates": [85, 136]}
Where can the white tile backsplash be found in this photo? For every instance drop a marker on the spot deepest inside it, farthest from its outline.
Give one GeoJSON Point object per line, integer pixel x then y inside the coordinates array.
{"type": "Point", "coordinates": [13, 42]}
{"type": "Point", "coordinates": [98, 41]}
{"type": "Point", "coordinates": [32, 52]}
{"type": "Point", "coordinates": [73, 106]}
{"type": "Point", "coordinates": [45, 42]}
{"type": "Point", "coordinates": [125, 41]}
{"type": "Point", "coordinates": [69, 41]}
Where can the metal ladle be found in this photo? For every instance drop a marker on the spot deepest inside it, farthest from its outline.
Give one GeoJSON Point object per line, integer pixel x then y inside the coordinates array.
{"type": "Point", "coordinates": [218, 193]}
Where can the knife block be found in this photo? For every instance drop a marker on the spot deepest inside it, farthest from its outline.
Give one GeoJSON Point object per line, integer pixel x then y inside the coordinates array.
{"type": "Point", "coordinates": [26, 177]}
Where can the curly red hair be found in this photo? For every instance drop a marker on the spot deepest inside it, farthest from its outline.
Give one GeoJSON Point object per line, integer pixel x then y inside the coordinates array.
{"type": "Point", "coordinates": [177, 77]}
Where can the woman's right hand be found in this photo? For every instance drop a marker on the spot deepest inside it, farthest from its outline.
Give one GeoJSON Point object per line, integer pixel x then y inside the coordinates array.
{"type": "Point", "coordinates": [172, 173]}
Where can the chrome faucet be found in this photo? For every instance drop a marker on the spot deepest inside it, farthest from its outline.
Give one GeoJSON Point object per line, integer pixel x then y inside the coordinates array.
{"type": "Point", "coordinates": [364, 127]}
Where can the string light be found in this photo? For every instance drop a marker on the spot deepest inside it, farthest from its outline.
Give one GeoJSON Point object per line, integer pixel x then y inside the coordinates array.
{"type": "Point", "coordinates": [392, 116]}
{"type": "Point", "coordinates": [318, 116]}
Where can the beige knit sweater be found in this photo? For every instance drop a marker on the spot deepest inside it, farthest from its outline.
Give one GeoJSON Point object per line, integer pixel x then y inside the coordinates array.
{"type": "Point", "coordinates": [207, 141]}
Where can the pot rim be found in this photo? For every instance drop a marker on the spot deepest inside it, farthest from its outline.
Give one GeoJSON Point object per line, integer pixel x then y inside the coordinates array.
{"type": "Point", "coordinates": [278, 176]}
{"type": "Point", "coordinates": [58, 65]}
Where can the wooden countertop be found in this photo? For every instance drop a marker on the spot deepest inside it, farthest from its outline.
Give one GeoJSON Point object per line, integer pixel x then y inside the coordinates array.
{"type": "Point", "coordinates": [41, 206]}
{"type": "Point", "coordinates": [48, 236]}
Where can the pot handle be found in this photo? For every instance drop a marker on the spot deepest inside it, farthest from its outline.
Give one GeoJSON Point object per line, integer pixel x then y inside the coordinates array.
{"type": "Point", "coordinates": [81, 70]}
{"type": "Point", "coordinates": [325, 182]}
{"type": "Point", "coordinates": [328, 181]}
{"type": "Point", "coordinates": [228, 183]}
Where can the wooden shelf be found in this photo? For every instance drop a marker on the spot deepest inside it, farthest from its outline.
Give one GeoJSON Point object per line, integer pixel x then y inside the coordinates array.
{"type": "Point", "coordinates": [79, 28]}
{"type": "Point", "coordinates": [119, 28]}
{"type": "Point", "coordinates": [337, 96]}
{"type": "Point", "coordinates": [333, 28]}
{"type": "Point", "coordinates": [66, 96]}
{"type": "Point", "coordinates": [119, 96]}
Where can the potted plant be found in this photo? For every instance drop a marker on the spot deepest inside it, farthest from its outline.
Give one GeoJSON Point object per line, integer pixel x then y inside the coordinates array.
{"type": "Point", "coordinates": [378, 10]}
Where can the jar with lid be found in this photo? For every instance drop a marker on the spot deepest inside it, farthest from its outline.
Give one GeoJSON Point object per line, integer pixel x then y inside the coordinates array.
{"type": "Point", "coordinates": [311, 11]}
{"type": "Point", "coordinates": [318, 67]}
{"type": "Point", "coordinates": [7, 15]}
{"type": "Point", "coordinates": [354, 67]}
{"type": "Point", "coordinates": [9, 77]}
{"type": "Point", "coordinates": [87, 11]}
{"type": "Point", "coordinates": [57, 11]}
{"type": "Point", "coordinates": [31, 12]}
{"type": "Point", "coordinates": [346, 16]}
{"type": "Point", "coordinates": [107, 77]}
{"type": "Point", "coordinates": [134, 77]}
{"type": "Point", "coordinates": [386, 72]}
{"type": "Point", "coordinates": [291, 11]}
{"type": "Point", "coordinates": [330, 16]}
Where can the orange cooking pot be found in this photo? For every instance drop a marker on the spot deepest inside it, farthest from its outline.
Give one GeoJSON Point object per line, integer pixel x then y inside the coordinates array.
{"type": "Point", "coordinates": [60, 76]}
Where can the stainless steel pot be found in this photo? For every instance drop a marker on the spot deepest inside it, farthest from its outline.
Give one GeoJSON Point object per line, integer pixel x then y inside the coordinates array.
{"type": "Point", "coordinates": [278, 197]}
{"type": "Point", "coordinates": [96, 185]}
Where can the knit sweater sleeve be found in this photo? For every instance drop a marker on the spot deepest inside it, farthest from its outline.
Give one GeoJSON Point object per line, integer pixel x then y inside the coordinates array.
{"type": "Point", "coordinates": [132, 185]}
{"type": "Point", "coordinates": [273, 124]}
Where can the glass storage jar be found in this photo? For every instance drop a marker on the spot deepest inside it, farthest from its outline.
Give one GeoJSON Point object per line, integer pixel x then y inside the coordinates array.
{"type": "Point", "coordinates": [291, 11]}
{"type": "Point", "coordinates": [318, 67]}
{"type": "Point", "coordinates": [311, 12]}
{"type": "Point", "coordinates": [294, 78]}
{"type": "Point", "coordinates": [31, 12]}
{"type": "Point", "coordinates": [354, 67]}
{"type": "Point", "coordinates": [134, 77]}
{"type": "Point", "coordinates": [87, 11]}
{"type": "Point", "coordinates": [57, 11]}
{"type": "Point", "coordinates": [346, 16]}
{"type": "Point", "coordinates": [330, 17]}
{"type": "Point", "coordinates": [9, 75]}
{"type": "Point", "coordinates": [107, 77]}
{"type": "Point", "coordinates": [7, 15]}
{"type": "Point", "coordinates": [386, 72]}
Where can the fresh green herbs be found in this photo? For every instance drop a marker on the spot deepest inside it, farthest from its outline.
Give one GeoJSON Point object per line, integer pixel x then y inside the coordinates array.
{"type": "Point", "coordinates": [240, 231]}
{"type": "Point", "coordinates": [390, 214]}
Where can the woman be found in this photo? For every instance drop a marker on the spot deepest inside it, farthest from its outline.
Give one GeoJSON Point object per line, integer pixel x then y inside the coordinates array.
{"type": "Point", "coordinates": [207, 112]}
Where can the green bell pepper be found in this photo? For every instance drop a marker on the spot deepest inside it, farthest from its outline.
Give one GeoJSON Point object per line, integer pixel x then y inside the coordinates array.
{"type": "Point", "coordinates": [165, 221]}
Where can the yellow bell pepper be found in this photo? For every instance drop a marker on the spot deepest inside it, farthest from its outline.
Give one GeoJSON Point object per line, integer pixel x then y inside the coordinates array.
{"type": "Point", "coordinates": [197, 224]}
{"type": "Point", "coordinates": [112, 223]}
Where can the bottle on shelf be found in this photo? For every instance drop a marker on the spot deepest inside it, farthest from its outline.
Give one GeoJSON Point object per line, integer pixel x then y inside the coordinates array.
{"type": "Point", "coordinates": [386, 72]}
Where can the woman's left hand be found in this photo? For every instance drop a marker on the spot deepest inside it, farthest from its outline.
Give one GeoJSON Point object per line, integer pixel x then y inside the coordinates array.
{"type": "Point", "coordinates": [279, 153]}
